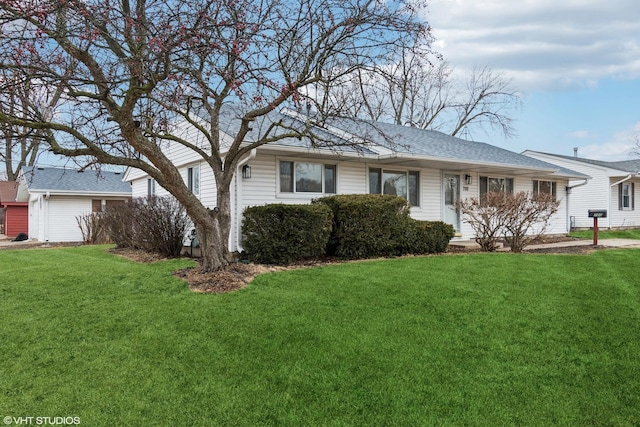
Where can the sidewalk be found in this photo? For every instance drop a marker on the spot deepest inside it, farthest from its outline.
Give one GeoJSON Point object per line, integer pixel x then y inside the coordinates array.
{"type": "Point", "coordinates": [609, 243]}
{"type": "Point", "coordinates": [5, 241]}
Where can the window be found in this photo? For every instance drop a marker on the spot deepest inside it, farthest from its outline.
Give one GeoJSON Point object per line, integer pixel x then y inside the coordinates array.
{"type": "Point", "coordinates": [397, 183]}
{"type": "Point", "coordinates": [495, 185]}
{"type": "Point", "coordinates": [193, 179]}
{"type": "Point", "coordinates": [97, 205]}
{"type": "Point", "coordinates": [151, 187]}
{"type": "Point", "coordinates": [626, 192]}
{"type": "Point", "coordinates": [301, 177]}
{"type": "Point", "coordinates": [544, 187]}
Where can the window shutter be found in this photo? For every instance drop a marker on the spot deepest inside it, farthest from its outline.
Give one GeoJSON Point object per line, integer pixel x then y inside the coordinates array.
{"type": "Point", "coordinates": [633, 195]}
{"type": "Point", "coordinates": [620, 201]}
{"type": "Point", "coordinates": [483, 185]}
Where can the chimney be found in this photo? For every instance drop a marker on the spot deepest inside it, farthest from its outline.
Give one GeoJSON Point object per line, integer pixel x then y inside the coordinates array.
{"type": "Point", "coordinates": [575, 152]}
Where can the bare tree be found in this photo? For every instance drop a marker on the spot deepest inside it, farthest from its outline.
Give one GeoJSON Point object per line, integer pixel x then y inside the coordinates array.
{"type": "Point", "coordinates": [486, 103]}
{"type": "Point", "coordinates": [421, 91]}
{"type": "Point", "coordinates": [142, 65]}
{"type": "Point", "coordinates": [20, 145]}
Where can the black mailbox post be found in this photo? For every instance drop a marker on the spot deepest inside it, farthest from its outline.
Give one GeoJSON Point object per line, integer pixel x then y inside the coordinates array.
{"type": "Point", "coordinates": [595, 214]}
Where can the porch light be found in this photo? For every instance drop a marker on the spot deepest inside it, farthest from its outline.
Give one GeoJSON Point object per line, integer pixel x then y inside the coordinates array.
{"type": "Point", "coordinates": [246, 172]}
{"type": "Point", "coordinates": [467, 179]}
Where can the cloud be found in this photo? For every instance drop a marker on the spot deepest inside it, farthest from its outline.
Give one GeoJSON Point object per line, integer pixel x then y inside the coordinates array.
{"type": "Point", "coordinates": [580, 134]}
{"type": "Point", "coordinates": [541, 44]}
{"type": "Point", "coordinates": [622, 146]}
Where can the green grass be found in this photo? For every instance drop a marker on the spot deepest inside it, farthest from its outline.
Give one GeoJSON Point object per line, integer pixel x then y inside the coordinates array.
{"type": "Point", "coordinates": [480, 339]}
{"type": "Point", "coordinates": [608, 234]}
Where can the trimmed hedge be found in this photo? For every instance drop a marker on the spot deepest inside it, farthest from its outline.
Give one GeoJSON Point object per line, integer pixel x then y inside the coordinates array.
{"type": "Point", "coordinates": [429, 237]}
{"type": "Point", "coordinates": [367, 225]}
{"type": "Point", "coordinates": [347, 226]}
{"type": "Point", "coordinates": [282, 234]}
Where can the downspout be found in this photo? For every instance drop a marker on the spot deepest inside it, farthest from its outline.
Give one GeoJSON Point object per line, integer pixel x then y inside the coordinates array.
{"type": "Point", "coordinates": [46, 216]}
{"type": "Point", "coordinates": [568, 189]}
{"type": "Point", "coordinates": [238, 203]}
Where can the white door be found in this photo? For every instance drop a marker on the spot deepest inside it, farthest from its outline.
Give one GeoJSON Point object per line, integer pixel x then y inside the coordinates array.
{"type": "Point", "coordinates": [451, 198]}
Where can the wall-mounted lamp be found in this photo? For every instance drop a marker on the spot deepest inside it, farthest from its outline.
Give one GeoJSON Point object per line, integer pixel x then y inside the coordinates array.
{"type": "Point", "coordinates": [246, 172]}
{"type": "Point", "coordinates": [467, 179]}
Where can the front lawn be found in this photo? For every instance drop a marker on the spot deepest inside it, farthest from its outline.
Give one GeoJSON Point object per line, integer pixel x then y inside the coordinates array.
{"type": "Point", "coordinates": [479, 339]}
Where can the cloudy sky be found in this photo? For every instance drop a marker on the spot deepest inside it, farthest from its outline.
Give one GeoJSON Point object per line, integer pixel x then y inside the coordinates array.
{"type": "Point", "coordinates": [576, 63]}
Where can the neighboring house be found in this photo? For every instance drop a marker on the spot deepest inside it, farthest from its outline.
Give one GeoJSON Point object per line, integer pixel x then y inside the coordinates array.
{"type": "Point", "coordinates": [13, 215]}
{"type": "Point", "coordinates": [613, 186]}
{"type": "Point", "coordinates": [430, 169]}
{"type": "Point", "coordinates": [57, 196]}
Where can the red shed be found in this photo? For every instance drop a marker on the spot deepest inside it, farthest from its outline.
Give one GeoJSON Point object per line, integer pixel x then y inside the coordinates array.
{"type": "Point", "coordinates": [15, 215]}
{"type": "Point", "coordinates": [16, 218]}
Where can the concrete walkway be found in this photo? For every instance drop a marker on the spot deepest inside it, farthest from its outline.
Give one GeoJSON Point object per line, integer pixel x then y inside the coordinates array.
{"type": "Point", "coordinates": [5, 241]}
{"type": "Point", "coordinates": [610, 243]}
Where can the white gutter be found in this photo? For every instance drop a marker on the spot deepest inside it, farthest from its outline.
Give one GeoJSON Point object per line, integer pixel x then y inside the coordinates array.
{"type": "Point", "coordinates": [631, 175]}
{"type": "Point", "coordinates": [571, 187]}
{"type": "Point", "coordinates": [238, 201]}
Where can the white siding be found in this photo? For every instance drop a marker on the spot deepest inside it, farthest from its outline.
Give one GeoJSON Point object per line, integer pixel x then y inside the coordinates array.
{"type": "Point", "coordinates": [558, 224]}
{"type": "Point", "coordinates": [596, 194]}
{"type": "Point", "coordinates": [353, 178]}
{"type": "Point", "coordinates": [430, 189]}
{"type": "Point", "coordinates": [625, 217]}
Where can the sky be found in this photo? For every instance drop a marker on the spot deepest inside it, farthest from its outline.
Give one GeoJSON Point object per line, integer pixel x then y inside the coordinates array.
{"type": "Point", "coordinates": [575, 63]}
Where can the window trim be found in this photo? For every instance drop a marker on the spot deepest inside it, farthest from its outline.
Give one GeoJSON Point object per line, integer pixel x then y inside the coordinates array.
{"type": "Point", "coordinates": [631, 196]}
{"type": "Point", "coordinates": [486, 179]}
{"type": "Point", "coordinates": [408, 173]}
{"type": "Point", "coordinates": [294, 192]}
{"type": "Point", "coordinates": [536, 187]}
{"type": "Point", "coordinates": [193, 179]}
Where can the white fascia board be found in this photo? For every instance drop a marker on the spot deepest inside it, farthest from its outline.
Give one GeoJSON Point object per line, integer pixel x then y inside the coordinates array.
{"type": "Point", "coordinates": [80, 193]}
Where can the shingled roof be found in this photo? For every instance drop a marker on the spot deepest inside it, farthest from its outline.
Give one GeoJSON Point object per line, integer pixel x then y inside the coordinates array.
{"type": "Point", "coordinates": [629, 166]}
{"type": "Point", "coordinates": [8, 191]}
{"type": "Point", "coordinates": [75, 181]}
{"type": "Point", "coordinates": [352, 136]}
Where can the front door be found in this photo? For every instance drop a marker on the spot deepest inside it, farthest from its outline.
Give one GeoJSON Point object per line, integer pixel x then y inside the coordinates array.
{"type": "Point", "coordinates": [451, 198]}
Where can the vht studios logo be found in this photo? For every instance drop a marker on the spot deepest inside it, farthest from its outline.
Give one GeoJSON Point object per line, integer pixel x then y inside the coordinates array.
{"type": "Point", "coordinates": [41, 421]}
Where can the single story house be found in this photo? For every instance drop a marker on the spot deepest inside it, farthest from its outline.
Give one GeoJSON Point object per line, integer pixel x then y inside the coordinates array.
{"type": "Point", "coordinates": [13, 215]}
{"type": "Point", "coordinates": [58, 196]}
{"type": "Point", "coordinates": [430, 169]}
{"type": "Point", "coordinates": [612, 187]}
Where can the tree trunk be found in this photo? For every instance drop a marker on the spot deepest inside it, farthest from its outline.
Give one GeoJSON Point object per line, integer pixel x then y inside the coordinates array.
{"type": "Point", "coordinates": [213, 232]}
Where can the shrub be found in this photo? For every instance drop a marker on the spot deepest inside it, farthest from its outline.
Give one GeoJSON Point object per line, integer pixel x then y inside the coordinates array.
{"type": "Point", "coordinates": [520, 218]}
{"type": "Point", "coordinates": [282, 234]}
{"type": "Point", "coordinates": [428, 237]}
{"type": "Point", "coordinates": [527, 218]}
{"type": "Point", "coordinates": [367, 225]}
{"type": "Point", "coordinates": [154, 224]}
{"type": "Point", "coordinates": [120, 224]}
{"type": "Point", "coordinates": [92, 228]}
